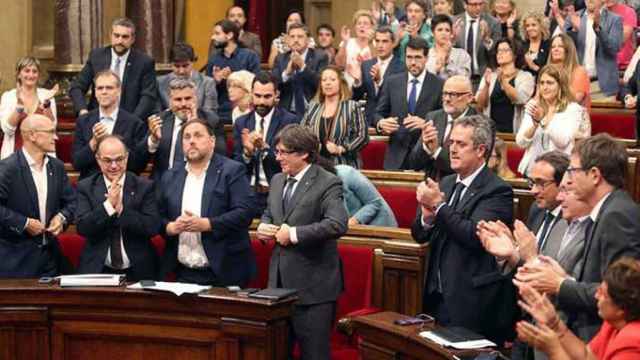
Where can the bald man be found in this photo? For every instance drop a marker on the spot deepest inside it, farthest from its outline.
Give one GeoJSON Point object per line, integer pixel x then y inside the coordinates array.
{"type": "Point", "coordinates": [36, 203]}
{"type": "Point", "coordinates": [431, 154]}
{"type": "Point", "coordinates": [117, 213]}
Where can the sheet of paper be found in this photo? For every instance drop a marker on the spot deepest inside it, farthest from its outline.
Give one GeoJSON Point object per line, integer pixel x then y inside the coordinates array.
{"type": "Point", "coordinates": [172, 287]}
{"type": "Point", "coordinates": [462, 345]}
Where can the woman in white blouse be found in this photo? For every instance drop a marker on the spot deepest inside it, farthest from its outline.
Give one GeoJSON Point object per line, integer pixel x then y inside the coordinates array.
{"type": "Point", "coordinates": [355, 50]}
{"type": "Point", "coordinates": [26, 99]}
{"type": "Point", "coordinates": [444, 60]}
{"type": "Point", "coordinates": [552, 121]}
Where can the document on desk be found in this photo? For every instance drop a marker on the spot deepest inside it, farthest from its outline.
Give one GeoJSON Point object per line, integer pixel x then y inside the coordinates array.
{"type": "Point", "coordinates": [459, 343]}
{"type": "Point", "coordinates": [176, 288]}
{"type": "Point", "coordinates": [91, 280]}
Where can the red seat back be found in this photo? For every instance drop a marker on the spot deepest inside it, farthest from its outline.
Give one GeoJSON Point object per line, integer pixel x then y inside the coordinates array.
{"type": "Point", "coordinates": [514, 156]}
{"type": "Point", "coordinates": [71, 245]}
{"type": "Point", "coordinates": [402, 201]}
{"type": "Point", "coordinates": [229, 146]}
{"type": "Point", "coordinates": [64, 147]}
{"type": "Point", "coordinates": [373, 154]}
{"type": "Point", "coordinates": [619, 125]}
{"type": "Point", "coordinates": [357, 262]}
{"type": "Point", "coordinates": [262, 253]}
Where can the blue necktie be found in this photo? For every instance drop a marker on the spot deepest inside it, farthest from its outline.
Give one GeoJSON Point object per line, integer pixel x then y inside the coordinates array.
{"type": "Point", "coordinates": [412, 96]}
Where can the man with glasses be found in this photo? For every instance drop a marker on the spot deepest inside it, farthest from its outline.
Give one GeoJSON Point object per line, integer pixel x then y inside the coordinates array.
{"type": "Point", "coordinates": [118, 216]}
{"type": "Point", "coordinates": [107, 119]}
{"type": "Point", "coordinates": [36, 203]}
{"type": "Point", "coordinates": [431, 154]}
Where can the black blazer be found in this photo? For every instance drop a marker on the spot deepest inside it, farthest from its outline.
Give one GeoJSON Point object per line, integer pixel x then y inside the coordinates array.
{"type": "Point", "coordinates": [541, 58]}
{"type": "Point", "coordinates": [367, 90]}
{"type": "Point", "coordinates": [279, 119]}
{"type": "Point", "coordinates": [393, 102]}
{"type": "Point", "coordinates": [439, 167]}
{"type": "Point", "coordinates": [477, 293]}
{"type": "Point", "coordinates": [308, 79]}
{"type": "Point", "coordinates": [128, 126]}
{"type": "Point", "coordinates": [139, 87]}
{"type": "Point", "coordinates": [160, 158]}
{"type": "Point", "coordinates": [312, 266]}
{"type": "Point", "coordinates": [22, 257]}
{"type": "Point", "coordinates": [227, 203]}
{"type": "Point", "coordinates": [138, 222]}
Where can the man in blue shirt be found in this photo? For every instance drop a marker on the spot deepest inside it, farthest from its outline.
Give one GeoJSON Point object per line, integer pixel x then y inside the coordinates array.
{"type": "Point", "coordinates": [230, 57]}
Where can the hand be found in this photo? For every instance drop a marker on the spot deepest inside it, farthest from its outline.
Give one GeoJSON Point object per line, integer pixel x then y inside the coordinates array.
{"type": "Point", "coordinates": [55, 225]}
{"type": "Point", "coordinates": [458, 27]}
{"type": "Point", "coordinates": [535, 111]}
{"type": "Point", "coordinates": [496, 239]}
{"type": "Point", "coordinates": [526, 240]}
{"type": "Point", "coordinates": [353, 221]}
{"type": "Point", "coordinates": [51, 93]}
{"type": "Point", "coordinates": [247, 144]}
{"type": "Point", "coordinates": [333, 148]}
{"type": "Point", "coordinates": [257, 140]}
{"type": "Point", "coordinates": [354, 69]}
{"type": "Point", "coordinates": [554, 265]}
{"type": "Point", "coordinates": [375, 72]}
{"type": "Point", "coordinates": [539, 336]}
{"type": "Point", "coordinates": [267, 232]}
{"type": "Point", "coordinates": [487, 76]}
{"type": "Point", "coordinates": [412, 29]}
{"type": "Point", "coordinates": [427, 214]}
{"type": "Point", "coordinates": [345, 35]}
{"type": "Point", "coordinates": [429, 194]}
{"type": "Point", "coordinates": [82, 112]}
{"type": "Point", "coordinates": [540, 276]}
{"type": "Point", "coordinates": [226, 71]}
{"type": "Point", "coordinates": [298, 61]}
{"type": "Point", "coordinates": [282, 236]}
{"type": "Point", "coordinates": [430, 136]}
{"type": "Point", "coordinates": [485, 32]}
{"type": "Point", "coordinates": [155, 127]}
{"type": "Point", "coordinates": [630, 101]}
{"type": "Point", "coordinates": [402, 29]}
{"type": "Point", "coordinates": [114, 195]}
{"type": "Point", "coordinates": [389, 125]}
{"type": "Point", "coordinates": [99, 131]}
{"type": "Point", "coordinates": [34, 227]}
{"type": "Point", "coordinates": [530, 63]}
{"type": "Point", "coordinates": [174, 228]}
{"type": "Point", "coordinates": [512, 18]}
{"type": "Point", "coordinates": [194, 223]}
{"type": "Point", "coordinates": [375, 10]}
{"type": "Point", "coordinates": [537, 305]}
{"type": "Point", "coordinates": [413, 122]}
{"type": "Point", "coordinates": [574, 18]}
{"type": "Point", "coordinates": [596, 19]}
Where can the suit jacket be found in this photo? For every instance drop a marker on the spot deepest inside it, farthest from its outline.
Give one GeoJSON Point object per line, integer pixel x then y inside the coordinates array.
{"type": "Point", "coordinates": [128, 126]}
{"type": "Point", "coordinates": [279, 119]}
{"type": "Point", "coordinates": [139, 87]}
{"type": "Point", "coordinates": [205, 91]}
{"type": "Point", "coordinates": [615, 233]}
{"type": "Point", "coordinates": [438, 167]}
{"type": "Point", "coordinates": [608, 42]}
{"type": "Point", "coordinates": [308, 79]}
{"type": "Point", "coordinates": [138, 222]}
{"type": "Point", "coordinates": [22, 257]}
{"type": "Point", "coordinates": [483, 52]}
{"type": "Point", "coordinates": [312, 266]}
{"type": "Point", "coordinates": [393, 102]}
{"type": "Point", "coordinates": [559, 226]}
{"type": "Point", "coordinates": [226, 202]}
{"type": "Point", "coordinates": [367, 90]}
{"type": "Point", "coordinates": [160, 158]}
{"type": "Point", "coordinates": [477, 293]}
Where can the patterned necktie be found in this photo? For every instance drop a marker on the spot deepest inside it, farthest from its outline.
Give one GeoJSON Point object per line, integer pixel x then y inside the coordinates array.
{"type": "Point", "coordinates": [178, 154]}
{"type": "Point", "coordinates": [288, 194]}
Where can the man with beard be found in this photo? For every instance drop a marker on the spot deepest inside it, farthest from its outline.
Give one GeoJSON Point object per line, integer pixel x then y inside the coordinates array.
{"type": "Point", "coordinates": [206, 212]}
{"type": "Point", "coordinates": [229, 58]}
{"type": "Point", "coordinates": [254, 133]}
{"type": "Point", "coordinates": [248, 39]}
{"type": "Point", "coordinates": [182, 58]}
{"type": "Point", "coordinates": [135, 69]}
{"type": "Point", "coordinates": [163, 140]}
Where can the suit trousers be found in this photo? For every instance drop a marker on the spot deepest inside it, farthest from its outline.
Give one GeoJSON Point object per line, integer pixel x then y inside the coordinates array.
{"type": "Point", "coordinates": [203, 276]}
{"type": "Point", "coordinates": [311, 328]}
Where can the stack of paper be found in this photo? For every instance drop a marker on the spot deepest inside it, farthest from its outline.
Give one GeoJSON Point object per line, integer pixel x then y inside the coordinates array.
{"type": "Point", "coordinates": [462, 345]}
{"type": "Point", "coordinates": [172, 287]}
{"type": "Point", "coordinates": [91, 280]}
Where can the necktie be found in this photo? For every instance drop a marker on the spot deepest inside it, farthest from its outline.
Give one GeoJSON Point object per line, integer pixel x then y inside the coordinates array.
{"type": "Point", "coordinates": [116, 66]}
{"type": "Point", "coordinates": [588, 232]}
{"type": "Point", "coordinates": [258, 156]}
{"type": "Point", "coordinates": [178, 155]}
{"type": "Point", "coordinates": [470, 45]}
{"type": "Point", "coordinates": [447, 135]}
{"type": "Point", "coordinates": [298, 93]}
{"type": "Point", "coordinates": [116, 248]}
{"type": "Point", "coordinates": [546, 224]}
{"type": "Point", "coordinates": [288, 194]}
{"type": "Point", "coordinates": [456, 194]}
{"type": "Point", "coordinates": [412, 97]}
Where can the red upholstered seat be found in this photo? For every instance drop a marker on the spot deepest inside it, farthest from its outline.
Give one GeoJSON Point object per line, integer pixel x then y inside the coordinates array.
{"type": "Point", "coordinates": [373, 154]}
{"type": "Point", "coordinates": [616, 124]}
{"type": "Point", "coordinates": [262, 253]}
{"type": "Point", "coordinates": [64, 147]}
{"type": "Point", "coordinates": [229, 146]}
{"type": "Point", "coordinates": [514, 155]}
{"type": "Point", "coordinates": [402, 201]}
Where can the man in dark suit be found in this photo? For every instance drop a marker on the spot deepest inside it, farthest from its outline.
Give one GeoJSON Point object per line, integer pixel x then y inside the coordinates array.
{"type": "Point", "coordinates": [368, 79]}
{"type": "Point", "coordinates": [163, 142]}
{"type": "Point", "coordinates": [404, 102]}
{"type": "Point", "coordinates": [134, 68]}
{"type": "Point", "coordinates": [306, 216]}
{"type": "Point", "coordinates": [431, 154]}
{"type": "Point", "coordinates": [465, 286]}
{"type": "Point", "coordinates": [107, 119]}
{"type": "Point", "coordinates": [117, 214]}
{"type": "Point", "coordinates": [253, 136]}
{"type": "Point", "coordinates": [36, 203]}
{"type": "Point", "coordinates": [206, 212]}
{"type": "Point", "coordinates": [298, 71]}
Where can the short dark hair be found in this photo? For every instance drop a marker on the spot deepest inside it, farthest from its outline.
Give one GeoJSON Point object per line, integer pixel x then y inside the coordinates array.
{"type": "Point", "coordinates": [564, 3]}
{"type": "Point", "coordinates": [623, 285]}
{"type": "Point", "coordinates": [296, 11]}
{"type": "Point", "coordinates": [301, 139]}
{"type": "Point", "coordinates": [226, 14]}
{"type": "Point", "coordinates": [386, 29]}
{"type": "Point", "coordinates": [126, 22]}
{"type": "Point", "coordinates": [298, 26]}
{"type": "Point", "coordinates": [418, 43]}
{"type": "Point", "coordinates": [117, 137]}
{"type": "Point", "coordinates": [558, 160]}
{"type": "Point", "coordinates": [602, 151]}
{"type": "Point", "coordinates": [440, 19]}
{"type": "Point", "coordinates": [516, 49]}
{"type": "Point", "coordinates": [229, 26]}
{"type": "Point", "coordinates": [182, 51]}
{"type": "Point", "coordinates": [264, 78]}
{"type": "Point", "coordinates": [326, 26]}
{"type": "Point", "coordinates": [107, 72]}
{"type": "Point", "coordinates": [423, 4]}
{"type": "Point", "coordinates": [207, 126]}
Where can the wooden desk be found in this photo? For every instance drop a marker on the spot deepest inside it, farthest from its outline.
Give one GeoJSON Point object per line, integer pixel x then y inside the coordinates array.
{"type": "Point", "coordinates": [48, 322]}
{"type": "Point", "coordinates": [382, 339]}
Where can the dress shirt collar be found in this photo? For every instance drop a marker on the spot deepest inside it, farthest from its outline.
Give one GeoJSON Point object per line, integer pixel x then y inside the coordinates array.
{"type": "Point", "coordinates": [382, 62]}
{"type": "Point", "coordinates": [267, 118]}
{"type": "Point", "coordinates": [113, 115]}
{"type": "Point", "coordinates": [304, 53]}
{"type": "Point", "coordinates": [32, 162]}
{"type": "Point", "coordinates": [556, 211]}
{"type": "Point", "coordinates": [580, 219]}
{"type": "Point", "coordinates": [468, 18]}
{"type": "Point", "coordinates": [123, 58]}
{"type": "Point", "coordinates": [187, 167]}
{"type": "Point", "coordinates": [419, 77]}
{"type": "Point", "coordinates": [469, 179]}
{"type": "Point", "coordinates": [300, 175]}
{"type": "Point", "coordinates": [596, 209]}
{"type": "Point", "coordinates": [450, 118]}
{"type": "Point", "coordinates": [107, 183]}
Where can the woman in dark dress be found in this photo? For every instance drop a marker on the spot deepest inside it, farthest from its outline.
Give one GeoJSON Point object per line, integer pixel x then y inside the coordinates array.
{"type": "Point", "coordinates": [535, 31]}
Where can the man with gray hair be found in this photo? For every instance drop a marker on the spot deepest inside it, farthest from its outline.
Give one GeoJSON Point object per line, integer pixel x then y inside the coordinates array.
{"type": "Point", "coordinates": [465, 286]}
{"type": "Point", "coordinates": [162, 142]}
{"type": "Point", "coordinates": [133, 67]}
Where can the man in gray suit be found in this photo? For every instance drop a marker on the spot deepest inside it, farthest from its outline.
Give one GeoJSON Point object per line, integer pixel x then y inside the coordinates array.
{"type": "Point", "coordinates": [305, 215]}
{"type": "Point", "coordinates": [182, 58]}
{"type": "Point", "coordinates": [477, 32]}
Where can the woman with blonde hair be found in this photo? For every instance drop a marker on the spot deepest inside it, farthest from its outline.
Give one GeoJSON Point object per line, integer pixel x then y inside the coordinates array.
{"type": "Point", "coordinates": [552, 120]}
{"type": "Point", "coordinates": [498, 160]}
{"type": "Point", "coordinates": [26, 99]}
{"type": "Point", "coordinates": [354, 51]}
{"type": "Point", "coordinates": [239, 87]}
{"type": "Point", "coordinates": [564, 56]}
{"type": "Point", "coordinates": [535, 32]}
{"type": "Point", "coordinates": [338, 121]}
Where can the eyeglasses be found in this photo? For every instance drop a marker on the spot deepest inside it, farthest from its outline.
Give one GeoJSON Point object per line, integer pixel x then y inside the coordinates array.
{"type": "Point", "coordinates": [572, 170]}
{"type": "Point", "coordinates": [116, 161]}
{"type": "Point", "coordinates": [541, 183]}
{"type": "Point", "coordinates": [280, 152]}
{"type": "Point", "coordinates": [453, 95]}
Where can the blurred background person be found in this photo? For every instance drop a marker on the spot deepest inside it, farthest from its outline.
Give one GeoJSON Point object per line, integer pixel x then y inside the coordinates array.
{"type": "Point", "coordinates": [535, 32]}
{"type": "Point", "coordinates": [354, 51]}
{"type": "Point", "coordinates": [280, 45]}
{"type": "Point", "coordinates": [443, 7]}
{"type": "Point", "coordinates": [563, 56]}
{"type": "Point", "coordinates": [507, 14]}
{"type": "Point", "coordinates": [338, 121]}
{"type": "Point", "coordinates": [239, 87]}
{"type": "Point", "coordinates": [417, 24]}
{"type": "Point", "coordinates": [629, 23]}
{"type": "Point", "coordinates": [498, 160]}
{"type": "Point", "coordinates": [444, 60]}
{"type": "Point", "coordinates": [326, 34]}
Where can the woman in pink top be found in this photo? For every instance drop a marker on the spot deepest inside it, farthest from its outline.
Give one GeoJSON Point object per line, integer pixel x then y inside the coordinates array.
{"type": "Point", "coordinates": [354, 51]}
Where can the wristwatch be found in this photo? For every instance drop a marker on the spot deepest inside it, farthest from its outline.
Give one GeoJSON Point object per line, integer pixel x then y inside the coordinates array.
{"type": "Point", "coordinates": [19, 109]}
